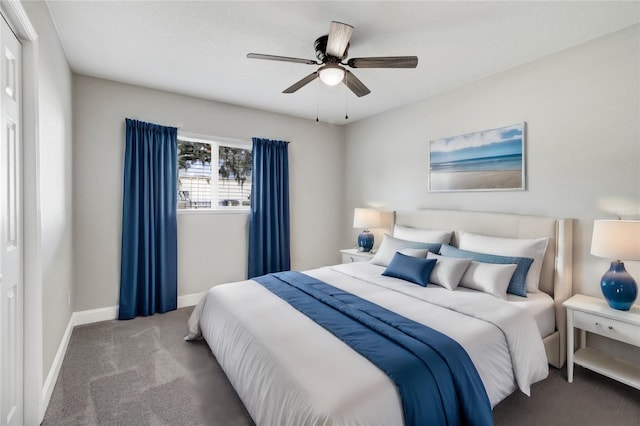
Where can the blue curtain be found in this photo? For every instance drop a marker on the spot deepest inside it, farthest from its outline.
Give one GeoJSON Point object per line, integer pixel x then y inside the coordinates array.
{"type": "Point", "coordinates": [149, 257]}
{"type": "Point", "coordinates": [269, 249]}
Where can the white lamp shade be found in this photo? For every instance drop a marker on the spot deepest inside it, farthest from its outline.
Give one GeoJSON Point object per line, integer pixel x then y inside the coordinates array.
{"type": "Point", "coordinates": [366, 218]}
{"type": "Point", "coordinates": [331, 75]}
{"type": "Point", "coordinates": [616, 239]}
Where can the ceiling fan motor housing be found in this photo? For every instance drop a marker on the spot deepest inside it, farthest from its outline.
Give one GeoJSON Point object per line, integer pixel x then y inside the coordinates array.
{"type": "Point", "coordinates": [321, 48]}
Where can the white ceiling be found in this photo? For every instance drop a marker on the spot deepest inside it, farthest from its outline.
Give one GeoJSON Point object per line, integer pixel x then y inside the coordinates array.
{"type": "Point", "coordinates": [199, 48]}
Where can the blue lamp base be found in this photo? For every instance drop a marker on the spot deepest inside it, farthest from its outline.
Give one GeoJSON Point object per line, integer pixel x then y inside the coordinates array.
{"type": "Point", "coordinates": [618, 287]}
{"type": "Point", "coordinates": [365, 241]}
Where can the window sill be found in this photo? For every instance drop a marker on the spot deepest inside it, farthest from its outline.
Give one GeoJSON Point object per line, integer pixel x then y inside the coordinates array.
{"type": "Point", "coordinates": [212, 211]}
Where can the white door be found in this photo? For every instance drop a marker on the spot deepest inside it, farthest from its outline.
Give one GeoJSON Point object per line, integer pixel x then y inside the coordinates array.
{"type": "Point", "coordinates": [11, 291]}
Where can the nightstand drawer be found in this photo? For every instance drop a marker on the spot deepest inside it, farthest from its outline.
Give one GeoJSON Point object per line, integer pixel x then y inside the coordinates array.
{"type": "Point", "coordinates": [353, 255]}
{"type": "Point", "coordinates": [607, 327]}
{"type": "Point", "coordinates": [349, 258]}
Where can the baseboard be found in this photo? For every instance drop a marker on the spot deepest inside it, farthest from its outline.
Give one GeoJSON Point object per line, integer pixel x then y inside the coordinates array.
{"type": "Point", "coordinates": [189, 299]}
{"type": "Point", "coordinates": [54, 371]}
{"type": "Point", "coordinates": [110, 313]}
{"type": "Point", "coordinates": [94, 315]}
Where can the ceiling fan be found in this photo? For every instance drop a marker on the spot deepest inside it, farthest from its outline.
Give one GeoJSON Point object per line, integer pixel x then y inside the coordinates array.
{"type": "Point", "coordinates": [332, 50]}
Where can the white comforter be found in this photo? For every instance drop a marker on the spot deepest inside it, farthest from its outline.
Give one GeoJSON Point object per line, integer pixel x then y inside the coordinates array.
{"type": "Point", "coordinates": [288, 370]}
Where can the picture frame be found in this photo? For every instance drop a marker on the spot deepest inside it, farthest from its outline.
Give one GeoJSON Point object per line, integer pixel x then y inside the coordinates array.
{"type": "Point", "coordinates": [488, 160]}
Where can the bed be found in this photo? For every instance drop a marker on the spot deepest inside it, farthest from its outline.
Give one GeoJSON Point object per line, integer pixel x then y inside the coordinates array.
{"type": "Point", "coordinates": [288, 370]}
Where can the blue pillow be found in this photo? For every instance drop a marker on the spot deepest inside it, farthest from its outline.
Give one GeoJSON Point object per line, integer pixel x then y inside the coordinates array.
{"type": "Point", "coordinates": [413, 269]}
{"type": "Point", "coordinates": [518, 283]}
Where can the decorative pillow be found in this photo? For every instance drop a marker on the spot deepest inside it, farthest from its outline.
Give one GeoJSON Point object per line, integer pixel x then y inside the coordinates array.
{"type": "Point", "coordinates": [533, 248]}
{"type": "Point", "coordinates": [518, 284]}
{"type": "Point", "coordinates": [488, 277]}
{"type": "Point", "coordinates": [421, 235]}
{"type": "Point", "coordinates": [390, 246]}
{"type": "Point", "coordinates": [409, 268]}
{"type": "Point", "coordinates": [448, 270]}
{"type": "Point", "coordinates": [414, 252]}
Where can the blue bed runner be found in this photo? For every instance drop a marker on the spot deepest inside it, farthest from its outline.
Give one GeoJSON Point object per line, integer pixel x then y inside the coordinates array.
{"type": "Point", "coordinates": [437, 381]}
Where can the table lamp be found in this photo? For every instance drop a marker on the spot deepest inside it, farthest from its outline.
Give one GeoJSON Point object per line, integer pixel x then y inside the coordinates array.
{"type": "Point", "coordinates": [365, 219]}
{"type": "Point", "coordinates": [617, 240]}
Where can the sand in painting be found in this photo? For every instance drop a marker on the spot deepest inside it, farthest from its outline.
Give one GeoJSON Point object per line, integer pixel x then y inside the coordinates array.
{"type": "Point", "coordinates": [490, 179]}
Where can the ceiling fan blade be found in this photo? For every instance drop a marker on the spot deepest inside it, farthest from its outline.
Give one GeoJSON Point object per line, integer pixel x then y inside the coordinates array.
{"type": "Point", "coordinates": [308, 79]}
{"type": "Point", "coordinates": [281, 58]}
{"type": "Point", "coordinates": [356, 86]}
{"type": "Point", "coordinates": [384, 62]}
{"type": "Point", "coordinates": [339, 36]}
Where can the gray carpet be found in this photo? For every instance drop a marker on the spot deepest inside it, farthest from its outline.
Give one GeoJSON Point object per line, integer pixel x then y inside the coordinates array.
{"type": "Point", "coordinates": [142, 372]}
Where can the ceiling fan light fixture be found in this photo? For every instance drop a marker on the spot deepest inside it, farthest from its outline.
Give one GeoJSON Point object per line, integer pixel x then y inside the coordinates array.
{"type": "Point", "coordinates": [331, 75]}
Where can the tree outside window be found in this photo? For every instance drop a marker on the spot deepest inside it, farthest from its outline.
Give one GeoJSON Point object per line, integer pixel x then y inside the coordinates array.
{"type": "Point", "coordinates": [198, 188]}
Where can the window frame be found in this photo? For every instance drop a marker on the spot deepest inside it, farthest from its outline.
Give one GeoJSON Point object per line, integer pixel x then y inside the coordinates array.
{"type": "Point", "coordinates": [215, 143]}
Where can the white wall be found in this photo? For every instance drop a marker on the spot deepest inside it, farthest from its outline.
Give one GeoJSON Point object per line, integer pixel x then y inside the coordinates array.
{"type": "Point", "coordinates": [54, 172]}
{"type": "Point", "coordinates": [582, 111]}
{"type": "Point", "coordinates": [212, 247]}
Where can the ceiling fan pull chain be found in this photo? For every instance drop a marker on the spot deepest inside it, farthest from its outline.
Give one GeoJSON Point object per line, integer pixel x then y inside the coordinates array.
{"type": "Point", "coordinates": [346, 106]}
{"type": "Point", "coordinates": [346, 99]}
{"type": "Point", "coordinates": [317, 96]}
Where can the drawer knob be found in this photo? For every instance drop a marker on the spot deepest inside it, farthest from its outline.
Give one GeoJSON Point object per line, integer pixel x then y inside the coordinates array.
{"type": "Point", "coordinates": [610, 327]}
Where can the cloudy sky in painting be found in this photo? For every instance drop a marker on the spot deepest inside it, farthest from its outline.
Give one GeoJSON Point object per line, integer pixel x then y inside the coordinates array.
{"type": "Point", "coordinates": [486, 144]}
{"type": "Point", "coordinates": [479, 139]}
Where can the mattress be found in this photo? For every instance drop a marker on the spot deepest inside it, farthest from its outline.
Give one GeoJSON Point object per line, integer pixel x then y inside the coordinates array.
{"type": "Point", "coordinates": [541, 306]}
{"type": "Point", "coordinates": [288, 370]}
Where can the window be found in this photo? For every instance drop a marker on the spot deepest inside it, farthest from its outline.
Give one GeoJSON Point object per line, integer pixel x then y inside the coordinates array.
{"type": "Point", "coordinates": [200, 187]}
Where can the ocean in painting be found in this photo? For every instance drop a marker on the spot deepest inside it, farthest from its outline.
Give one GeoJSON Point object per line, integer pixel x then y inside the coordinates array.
{"type": "Point", "coordinates": [497, 163]}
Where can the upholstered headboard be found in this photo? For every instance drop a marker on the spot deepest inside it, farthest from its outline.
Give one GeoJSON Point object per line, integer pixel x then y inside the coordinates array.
{"type": "Point", "coordinates": [556, 275]}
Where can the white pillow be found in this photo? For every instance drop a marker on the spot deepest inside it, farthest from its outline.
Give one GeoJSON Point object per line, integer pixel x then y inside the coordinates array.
{"type": "Point", "coordinates": [390, 246]}
{"type": "Point", "coordinates": [414, 252]}
{"type": "Point", "coordinates": [448, 271]}
{"type": "Point", "coordinates": [421, 235]}
{"type": "Point", "coordinates": [532, 248]}
{"type": "Point", "coordinates": [488, 277]}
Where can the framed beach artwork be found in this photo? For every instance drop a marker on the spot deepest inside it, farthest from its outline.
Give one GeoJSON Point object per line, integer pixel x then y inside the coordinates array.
{"type": "Point", "coordinates": [490, 160]}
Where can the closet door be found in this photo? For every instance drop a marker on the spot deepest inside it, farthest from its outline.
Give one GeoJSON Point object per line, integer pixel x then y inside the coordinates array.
{"type": "Point", "coordinates": [11, 281]}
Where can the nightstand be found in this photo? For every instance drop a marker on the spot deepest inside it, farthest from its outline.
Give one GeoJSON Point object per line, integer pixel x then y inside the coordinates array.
{"type": "Point", "coordinates": [353, 255]}
{"type": "Point", "coordinates": [595, 316]}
